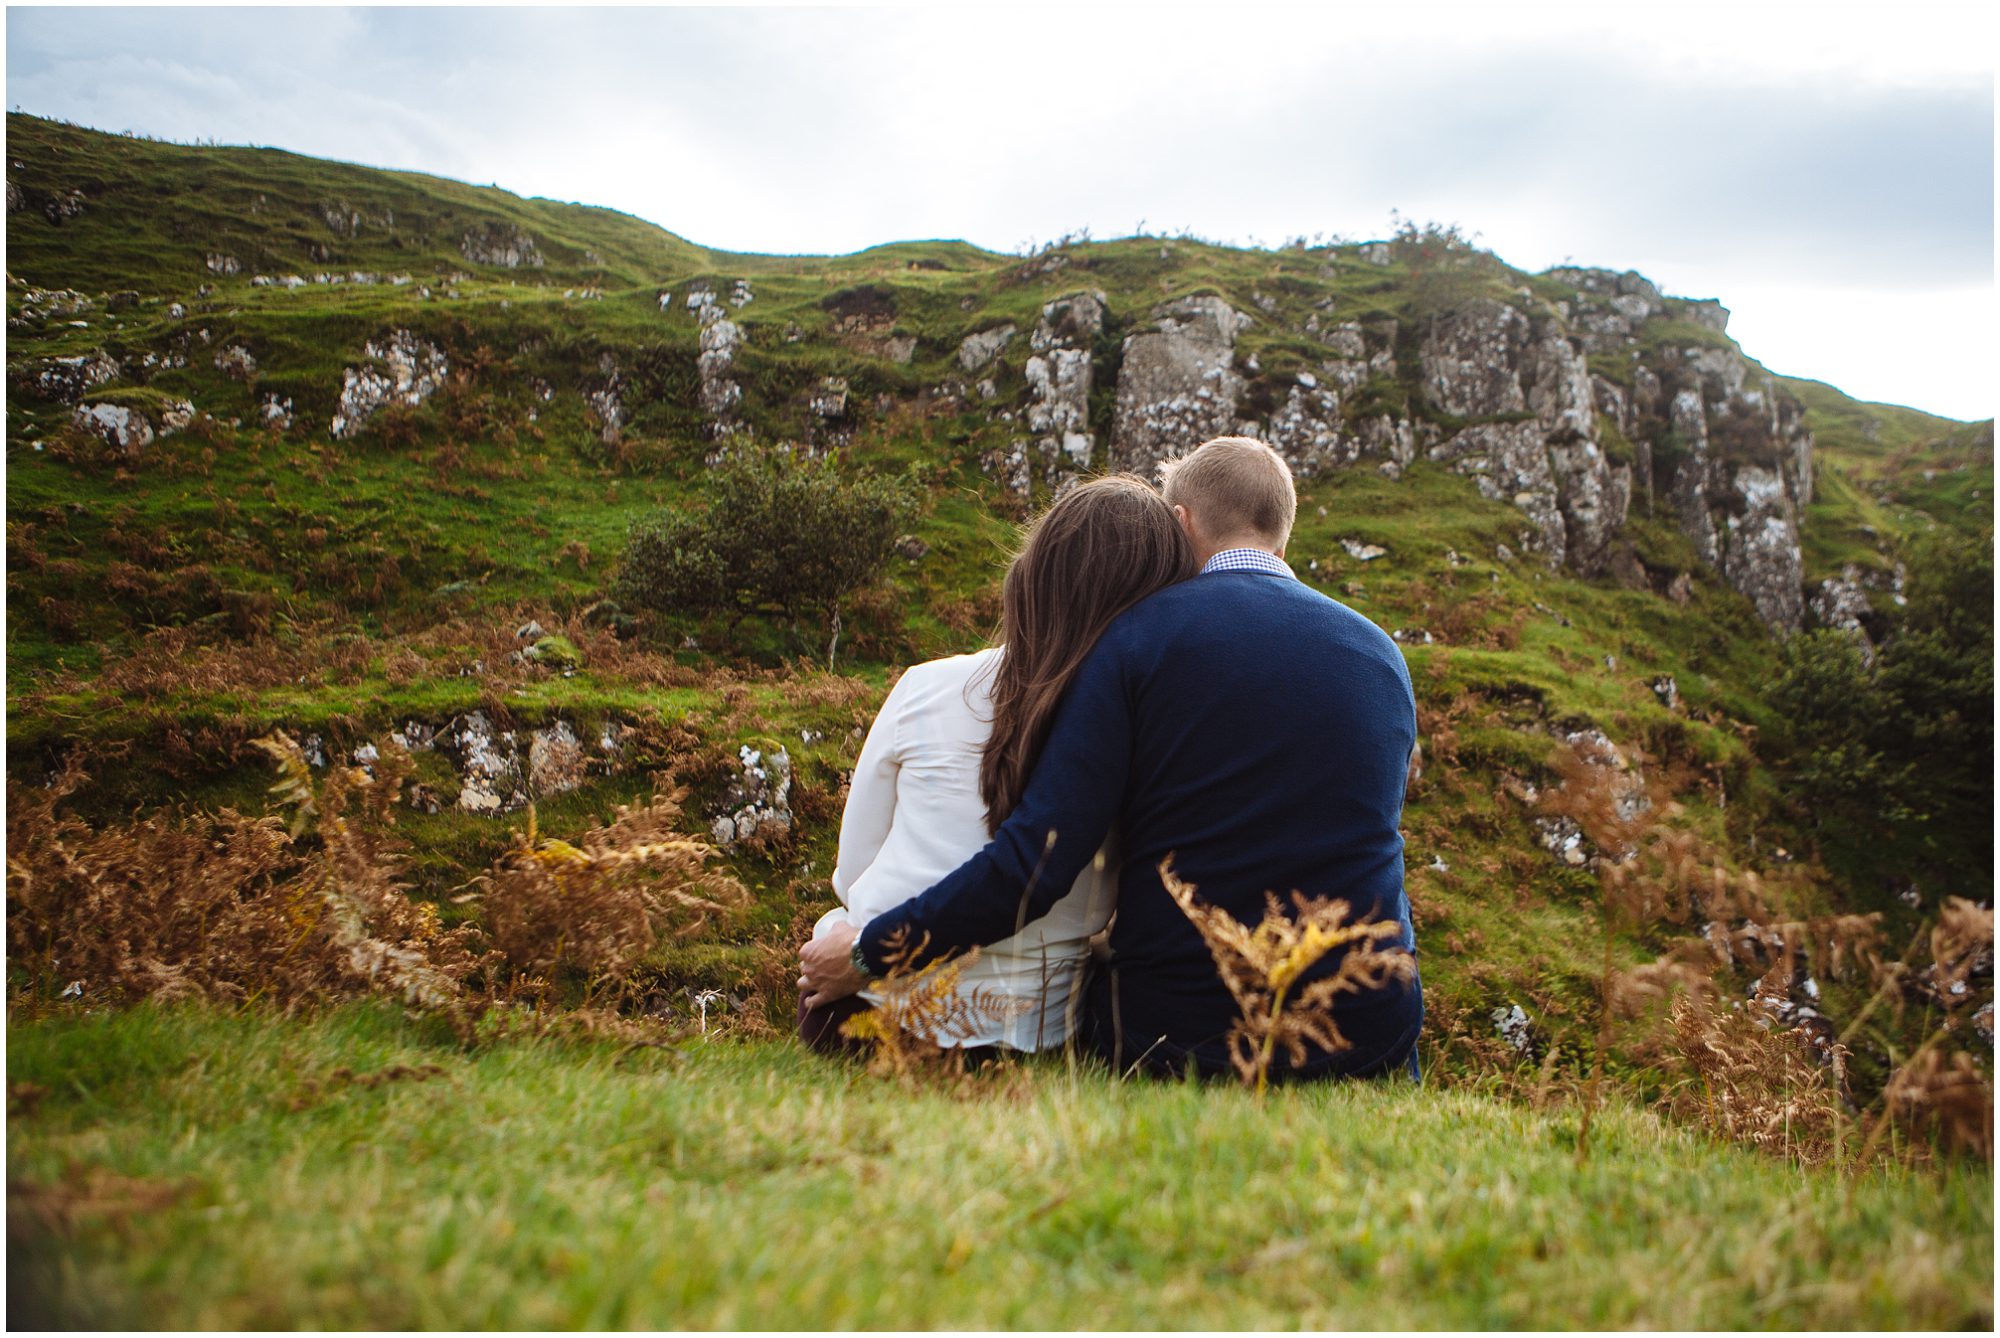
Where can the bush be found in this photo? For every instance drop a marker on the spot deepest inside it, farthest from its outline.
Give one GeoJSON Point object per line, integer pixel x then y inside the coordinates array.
{"type": "Point", "coordinates": [780, 533]}
{"type": "Point", "coordinates": [1893, 753]}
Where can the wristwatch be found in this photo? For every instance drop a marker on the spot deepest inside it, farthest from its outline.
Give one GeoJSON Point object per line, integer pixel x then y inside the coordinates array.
{"type": "Point", "coordinates": [859, 958]}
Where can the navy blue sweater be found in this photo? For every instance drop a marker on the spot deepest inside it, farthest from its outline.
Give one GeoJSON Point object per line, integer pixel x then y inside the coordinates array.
{"type": "Point", "coordinates": [1261, 734]}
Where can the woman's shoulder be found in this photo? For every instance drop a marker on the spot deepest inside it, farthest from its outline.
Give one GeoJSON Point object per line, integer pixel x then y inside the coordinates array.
{"type": "Point", "coordinates": [949, 677]}
{"type": "Point", "coordinates": [952, 668]}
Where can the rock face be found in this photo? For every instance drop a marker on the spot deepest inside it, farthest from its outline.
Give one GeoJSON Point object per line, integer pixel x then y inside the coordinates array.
{"type": "Point", "coordinates": [759, 800]}
{"type": "Point", "coordinates": [505, 245]}
{"type": "Point", "coordinates": [976, 350]}
{"type": "Point", "coordinates": [125, 430]}
{"type": "Point", "coordinates": [1718, 444]}
{"type": "Point", "coordinates": [404, 370]}
{"type": "Point", "coordinates": [1731, 455]}
{"type": "Point", "coordinates": [70, 379]}
{"type": "Point", "coordinates": [237, 362]}
{"type": "Point", "coordinates": [1489, 360]}
{"type": "Point", "coordinates": [501, 770]}
{"type": "Point", "coordinates": [720, 394]}
{"type": "Point", "coordinates": [606, 400]}
{"type": "Point", "coordinates": [1178, 384]}
{"type": "Point", "coordinates": [1059, 375]}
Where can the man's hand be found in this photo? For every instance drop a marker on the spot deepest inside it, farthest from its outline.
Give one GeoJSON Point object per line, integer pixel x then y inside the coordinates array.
{"type": "Point", "coordinates": [826, 969]}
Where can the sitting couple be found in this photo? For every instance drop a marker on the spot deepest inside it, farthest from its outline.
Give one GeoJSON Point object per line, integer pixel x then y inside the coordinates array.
{"type": "Point", "coordinates": [1166, 686]}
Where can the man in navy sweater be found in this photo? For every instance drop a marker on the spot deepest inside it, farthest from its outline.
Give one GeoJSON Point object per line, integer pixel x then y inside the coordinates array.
{"type": "Point", "coordinates": [1254, 729]}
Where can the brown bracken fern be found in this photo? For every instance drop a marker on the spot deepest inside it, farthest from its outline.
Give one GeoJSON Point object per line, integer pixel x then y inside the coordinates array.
{"type": "Point", "coordinates": [1260, 964]}
{"type": "Point", "coordinates": [923, 1017]}
{"type": "Point", "coordinates": [600, 905]}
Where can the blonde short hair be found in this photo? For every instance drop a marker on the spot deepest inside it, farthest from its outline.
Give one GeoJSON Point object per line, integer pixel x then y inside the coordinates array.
{"type": "Point", "coordinates": [1235, 488]}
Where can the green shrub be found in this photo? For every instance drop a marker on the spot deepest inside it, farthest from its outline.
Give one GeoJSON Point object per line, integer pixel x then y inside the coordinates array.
{"type": "Point", "coordinates": [1893, 754]}
{"type": "Point", "coordinates": [780, 534]}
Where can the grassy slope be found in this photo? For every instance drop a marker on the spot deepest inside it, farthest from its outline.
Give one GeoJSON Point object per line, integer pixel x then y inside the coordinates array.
{"type": "Point", "coordinates": [466, 514]}
{"type": "Point", "coordinates": [747, 1185]}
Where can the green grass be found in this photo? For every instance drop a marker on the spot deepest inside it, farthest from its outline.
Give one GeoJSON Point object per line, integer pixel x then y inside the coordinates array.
{"type": "Point", "coordinates": [735, 1184]}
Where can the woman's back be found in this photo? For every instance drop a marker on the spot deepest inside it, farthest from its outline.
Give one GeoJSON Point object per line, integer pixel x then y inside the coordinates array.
{"type": "Point", "coordinates": [914, 814]}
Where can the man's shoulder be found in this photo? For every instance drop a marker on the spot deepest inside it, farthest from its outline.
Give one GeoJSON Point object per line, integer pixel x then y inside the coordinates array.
{"type": "Point", "coordinates": [1272, 616]}
{"type": "Point", "coordinates": [1218, 592]}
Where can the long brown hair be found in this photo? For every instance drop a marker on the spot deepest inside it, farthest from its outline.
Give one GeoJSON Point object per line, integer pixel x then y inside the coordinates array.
{"type": "Point", "coordinates": [1098, 550]}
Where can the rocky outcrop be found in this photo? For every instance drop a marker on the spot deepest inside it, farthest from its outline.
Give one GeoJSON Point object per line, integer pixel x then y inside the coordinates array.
{"type": "Point", "coordinates": [1177, 385]}
{"type": "Point", "coordinates": [607, 400]}
{"type": "Point", "coordinates": [1608, 308]}
{"type": "Point", "coordinates": [124, 429]}
{"type": "Point", "coordinates": [1761, 556]}
{"type": "Point", "coordinates": [70, 379]}
{"type": "Point", "coordinates": [720, 394]}
{"type": "Point", "coordinates": [976, 350]}
{"type": "Point", "coordinates": [503, 244]}
{"type": "Point", "coordinates": [236, 362]}
{"type": "Point", "coordinates": [43, 304]}
{"type": "Point", "coordinates": [1490, 360]}
{"type": "Point", "coordinates": [1730, 453]}
{"type": "Point", "coordinates": [1510, 463]}
{"type": "Point", "coordinates": [1059, 374]}
{"type": "Point", "coordinates": [1307, 428]}
{"type": "Point", "coordinates": [404, 369]}
{"type": "Point", "coordinates": [759, 799]}
{"type": "Point", "coordinates": [499, 770]}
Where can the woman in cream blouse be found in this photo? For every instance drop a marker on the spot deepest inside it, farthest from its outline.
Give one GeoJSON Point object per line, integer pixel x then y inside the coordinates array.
{"type": "Point", "coordinates": [951, 750]}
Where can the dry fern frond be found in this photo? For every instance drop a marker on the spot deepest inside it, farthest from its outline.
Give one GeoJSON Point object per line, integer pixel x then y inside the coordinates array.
{"type": "Point", "coordinates": [1961, 942]}
{"type": "Point", "coordinates": [603, 903]}
{"type": "Point", "coordinates": [1755, 1083]}
{"type": "Point", "coordinates": [1260, 964]}
{"type": "Point", "coordinates": [1946, 1096]}
{"type": "Point", "coordinates": [294, 786]}
{"type": "Point", "coordinates": [924, 1016]}
{"type": "Point", "coordinates": [225, 906]}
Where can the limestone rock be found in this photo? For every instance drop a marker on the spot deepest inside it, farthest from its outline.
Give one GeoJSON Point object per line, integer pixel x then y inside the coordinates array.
{"type": "Point", "coordinates": [404, 369]}
{"type": "Point", "coordinates": [504, 244]}
{"type": "Point", "coordinates": [720, 394]}
{"type": "Point", "coordinates": [976, 350]}
{"type": "Point", "coordinates": [830, 400]}
{"type": "Point", "coordinates": [1178, 385]}
{"type": "Point", "coordinates": [606, 400]}
{"type": "Point", "coordinates": [1761, 555]}
{"type": "Point", "coordinates": [1510, 463]}
{"type": "Point", "coordinates": [555, 760]}
{"type": "Point", "coordinates": [237, 362]}
{"type": "Point", "coordinates": [1842, 602]}
{"type": "Point", "coordinates": [1471, 360]}
{"type": "Point", "coordinates": [70, 379]}
{"type": "Point", "coordinates": [489, 767]}
{"type": "Point", "coordinates": [118, 426]}
{"type": "Point", "coordinates": [1059, 374]}
{"type": "Point", "coordinates": [759, 798]}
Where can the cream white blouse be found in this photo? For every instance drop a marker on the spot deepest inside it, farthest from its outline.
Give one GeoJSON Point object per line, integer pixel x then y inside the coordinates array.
{"type": "Point", "coordinates": [914, 814]}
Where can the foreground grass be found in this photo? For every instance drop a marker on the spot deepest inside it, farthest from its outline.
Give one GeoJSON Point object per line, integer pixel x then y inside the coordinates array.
{"type": "Point", "coordinates": [189, 1168]}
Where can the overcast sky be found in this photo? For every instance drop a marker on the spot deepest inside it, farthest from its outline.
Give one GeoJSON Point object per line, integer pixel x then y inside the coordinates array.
{"type": "Point", "coordinates": [1827, 173]}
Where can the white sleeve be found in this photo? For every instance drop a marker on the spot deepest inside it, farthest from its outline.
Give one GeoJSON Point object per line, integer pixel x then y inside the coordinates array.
{"type": "Point", "coordinates": [871, 797]}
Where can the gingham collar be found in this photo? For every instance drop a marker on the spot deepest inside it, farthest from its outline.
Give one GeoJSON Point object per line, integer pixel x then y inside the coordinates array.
{"type": "Point", "coordinates": [1247, 559]}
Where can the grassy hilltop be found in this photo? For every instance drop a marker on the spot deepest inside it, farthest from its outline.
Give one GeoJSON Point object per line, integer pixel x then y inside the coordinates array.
{"type": "Point", "coordinates": [247, 571]}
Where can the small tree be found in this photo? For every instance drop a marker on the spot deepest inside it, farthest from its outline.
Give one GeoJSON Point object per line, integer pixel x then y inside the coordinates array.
{"type": "Point", "coordinates": [779, 533]}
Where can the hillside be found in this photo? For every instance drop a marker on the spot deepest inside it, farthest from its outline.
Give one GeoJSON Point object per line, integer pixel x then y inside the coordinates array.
{"type": "Point", "coordinates": [302, 445]}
